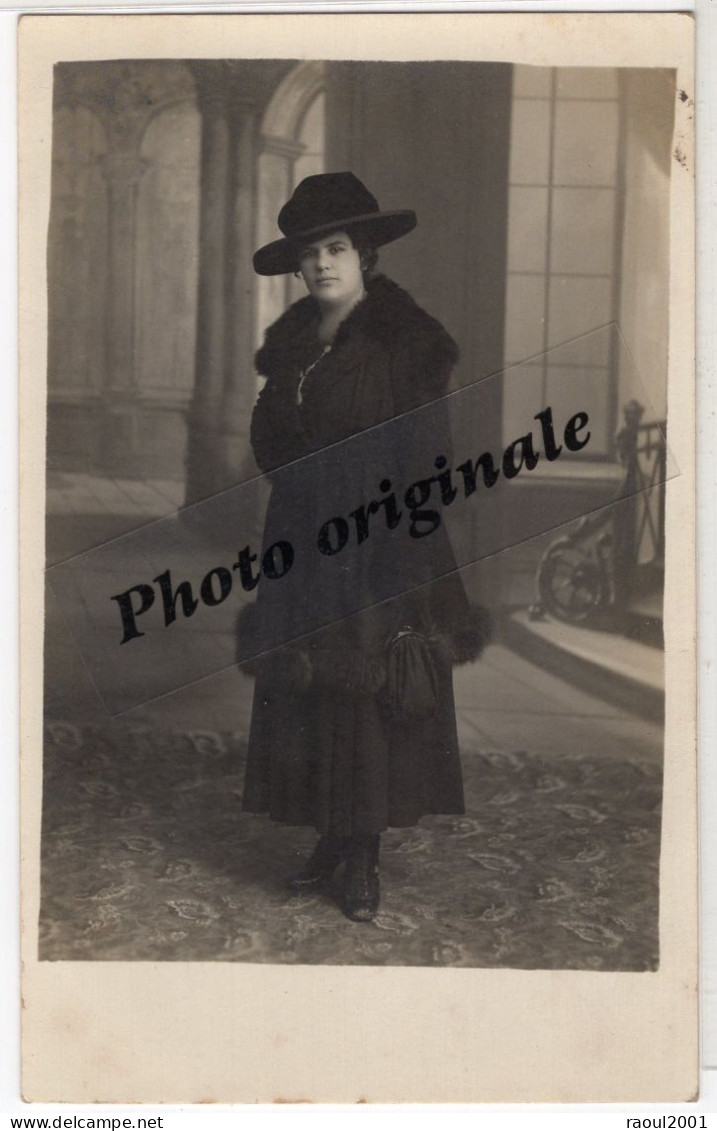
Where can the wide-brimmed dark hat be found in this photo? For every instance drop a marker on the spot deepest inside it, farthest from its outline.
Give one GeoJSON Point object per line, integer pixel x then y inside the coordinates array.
{"type": "Point", "coordinates": [326, 203]}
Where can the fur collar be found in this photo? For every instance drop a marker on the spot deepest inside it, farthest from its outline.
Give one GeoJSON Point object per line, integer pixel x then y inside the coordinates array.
{"type": "Point", "coordinates": [388, 314]}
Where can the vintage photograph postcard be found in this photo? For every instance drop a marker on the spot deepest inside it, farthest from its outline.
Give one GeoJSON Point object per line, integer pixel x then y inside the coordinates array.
{"type": "Point", "coordinates": [358, 558]}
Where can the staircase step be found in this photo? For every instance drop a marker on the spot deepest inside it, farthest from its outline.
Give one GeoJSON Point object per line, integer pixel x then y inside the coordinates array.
{"type": "Point", "coordinates": [621, 670]}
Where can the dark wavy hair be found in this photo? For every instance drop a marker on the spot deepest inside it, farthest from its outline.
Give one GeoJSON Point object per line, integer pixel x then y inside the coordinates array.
{"type": "Point", "coordinates": [368, 255]}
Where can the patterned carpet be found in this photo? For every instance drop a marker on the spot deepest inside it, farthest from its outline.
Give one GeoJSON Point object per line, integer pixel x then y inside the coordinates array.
{"type": "Point", "coordinates": [147, 856]}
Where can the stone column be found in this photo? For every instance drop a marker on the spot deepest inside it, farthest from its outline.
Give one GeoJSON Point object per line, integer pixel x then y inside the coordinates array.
{"type": "Point", "coordinates": [249, 198]}
{"type": "Point", "coordinates": [203, 465]}
{"type": "Point", "coordinates": [231, 98]}
{"type": "Point", "coordinates": [123, 169]}
{"type": "Point", "coordinates": [238, 395]}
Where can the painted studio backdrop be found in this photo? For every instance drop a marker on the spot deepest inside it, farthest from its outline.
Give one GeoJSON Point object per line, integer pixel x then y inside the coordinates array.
{"type": "Point", "coordinates": [542, 197]}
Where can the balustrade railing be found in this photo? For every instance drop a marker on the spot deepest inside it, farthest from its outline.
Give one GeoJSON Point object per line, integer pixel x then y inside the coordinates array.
{"type": "Point", "coordinates": [609, 559]}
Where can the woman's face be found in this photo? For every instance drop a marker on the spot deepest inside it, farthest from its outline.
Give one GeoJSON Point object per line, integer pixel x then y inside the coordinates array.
{"type": "Point", "coordinates": [331, 269]}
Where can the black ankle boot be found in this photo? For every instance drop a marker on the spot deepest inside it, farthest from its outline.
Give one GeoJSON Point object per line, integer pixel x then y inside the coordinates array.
{"type": "Point", "coordinates": [362, 891]}
{"type": "Point", "coordinates": [321, 865]}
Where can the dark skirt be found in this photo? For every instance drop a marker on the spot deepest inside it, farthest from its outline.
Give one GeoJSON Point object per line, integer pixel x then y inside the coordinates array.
{"type": "Point", "coordinates": [334, 759]}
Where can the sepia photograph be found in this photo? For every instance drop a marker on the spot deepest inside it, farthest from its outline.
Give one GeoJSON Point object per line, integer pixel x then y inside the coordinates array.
{"type": "Point", "coordinates": [520, 807]}
{"type": "Point", "coordinates": [357, 468]}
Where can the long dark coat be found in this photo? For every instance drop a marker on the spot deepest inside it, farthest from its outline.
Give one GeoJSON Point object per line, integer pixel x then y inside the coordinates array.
{"type": "Point", "coordinates": [324, 748]}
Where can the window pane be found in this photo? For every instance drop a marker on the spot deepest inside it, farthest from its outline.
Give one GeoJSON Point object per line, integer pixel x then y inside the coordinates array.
{"type": "Point", "coordinates": [527, 229]}
{"type": "Point", "coordinates": [582, 231]}
{"type": "Point", "coordinates": [586, 82]}
{"type": "Point", "coordinates": [532, 82]}
{"type": "Point", "coordinates": [585, 143]}
{"type": "Point", "coordinates": [583, 390]}
{"type": "Point", "coordinates": [524, 317]}
{"type": "Point", "coordinates": [515, 383]}
{"type": "Point", "coordinates": [577, 306]}
{"type": "Point", "coordinates": [530, 142]}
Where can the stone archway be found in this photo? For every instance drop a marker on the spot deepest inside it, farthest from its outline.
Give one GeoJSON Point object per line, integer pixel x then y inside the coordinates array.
{"type": "Point", "coordinates": [232, 99]}
{"type": "Point", "coordinates": [279, 162]}
{"type": "Point", "coordinates": [104, 409]}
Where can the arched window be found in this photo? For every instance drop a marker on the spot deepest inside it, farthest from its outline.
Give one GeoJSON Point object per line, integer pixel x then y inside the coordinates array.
{"type": "Point", "coordinates": [292, 147]}
{"type": "Point", "coordinates": [312, 134]}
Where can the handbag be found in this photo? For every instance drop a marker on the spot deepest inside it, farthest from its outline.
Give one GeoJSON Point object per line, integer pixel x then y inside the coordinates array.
{"type": "Point", "coordinates": [411, 689]}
